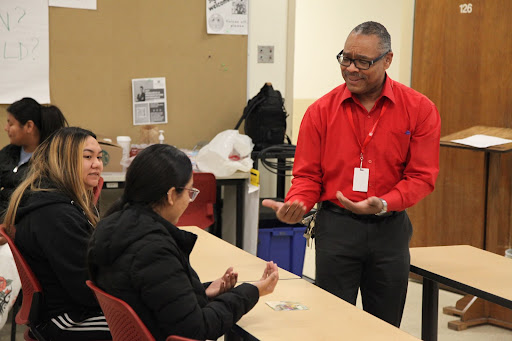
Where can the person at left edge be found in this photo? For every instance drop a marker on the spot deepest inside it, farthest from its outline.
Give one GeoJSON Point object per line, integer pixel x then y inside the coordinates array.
{"type": "Point", "coordinates": [28, 124]}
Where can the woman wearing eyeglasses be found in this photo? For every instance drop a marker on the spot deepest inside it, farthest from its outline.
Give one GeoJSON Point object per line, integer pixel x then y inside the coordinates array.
{"type": "Point", "coordinates": [138, 254]}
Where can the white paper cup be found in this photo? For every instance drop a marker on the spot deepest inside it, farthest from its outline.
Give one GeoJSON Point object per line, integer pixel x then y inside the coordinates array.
{"type": "Point", "coordinates": [125, 143]}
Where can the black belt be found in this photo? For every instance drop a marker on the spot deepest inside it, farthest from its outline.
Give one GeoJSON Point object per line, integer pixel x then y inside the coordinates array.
{"type": "Point", "coordinates": [328, 205]}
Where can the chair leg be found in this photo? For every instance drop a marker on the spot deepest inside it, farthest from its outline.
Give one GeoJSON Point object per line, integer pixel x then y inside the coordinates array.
{"type": "Point", "coordinates": [28, 335]}
{"type": "Point", "coordinates": [14, 311]}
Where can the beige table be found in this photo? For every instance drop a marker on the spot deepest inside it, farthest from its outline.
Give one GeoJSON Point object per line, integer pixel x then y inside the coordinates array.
{"type": "Point", "coordinates": [328, 318]}
{"type": "Point", "coordinates": [467, 268]}
{"type": "Point", "coordinates": [211, 257]}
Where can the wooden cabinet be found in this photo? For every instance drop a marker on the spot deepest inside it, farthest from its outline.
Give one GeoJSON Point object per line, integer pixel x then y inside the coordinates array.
{"type": "Point", "coordinates": [462, 62]}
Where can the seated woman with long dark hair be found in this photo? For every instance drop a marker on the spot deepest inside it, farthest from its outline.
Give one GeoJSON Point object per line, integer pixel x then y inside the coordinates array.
{"type": "Point", "coordinates": [51, 216]}
{"type": "Point", "coordinates": [138, 254]}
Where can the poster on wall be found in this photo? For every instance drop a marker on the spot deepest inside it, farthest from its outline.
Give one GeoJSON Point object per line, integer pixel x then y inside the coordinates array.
{"type": "Point", "coordinates": [82, 4]}
{"type": "Point", "coordinates": [227, 16]}
{"type": "Point", "coordinates": [24, 51]}
{"type": "Point", "coordinates": [149, 101]}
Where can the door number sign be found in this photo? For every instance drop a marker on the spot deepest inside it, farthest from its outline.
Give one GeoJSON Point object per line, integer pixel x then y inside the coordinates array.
{"type": "Point", "coordinates": [466, 8]}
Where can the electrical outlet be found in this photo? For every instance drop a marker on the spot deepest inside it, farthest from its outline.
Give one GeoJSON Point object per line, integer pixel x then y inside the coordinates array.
{"type": "Point", "coordinates": [265, 54]}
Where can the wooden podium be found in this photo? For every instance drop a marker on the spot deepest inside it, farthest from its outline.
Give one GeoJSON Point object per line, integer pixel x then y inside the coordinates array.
{"type": "Point", "coordinates": [498, 224]}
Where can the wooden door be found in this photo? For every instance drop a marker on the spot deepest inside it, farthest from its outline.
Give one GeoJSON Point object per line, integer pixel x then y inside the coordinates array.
{"type": "Point", "coordinates": [462, 60]}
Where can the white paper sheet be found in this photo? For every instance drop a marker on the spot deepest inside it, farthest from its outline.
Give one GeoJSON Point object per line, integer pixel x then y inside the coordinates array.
{"type": "Point", "coordinates": [227, 16]}
{"type": "Point", "coordinates": [83, 4]}
{"type": "Point", "coordinates": [482, 141]}
{"type": "Point", "coordinates": [149, 101]}
{"type": "Point", "coordinates": [24, 51]}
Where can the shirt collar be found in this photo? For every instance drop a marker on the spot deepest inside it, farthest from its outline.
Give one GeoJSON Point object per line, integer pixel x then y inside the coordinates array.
{"type": "Point", "coordinates": [387, 91]}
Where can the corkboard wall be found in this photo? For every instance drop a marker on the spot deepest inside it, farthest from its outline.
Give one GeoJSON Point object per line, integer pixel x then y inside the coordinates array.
{"type": "Point", "coordinates": [94, 55]}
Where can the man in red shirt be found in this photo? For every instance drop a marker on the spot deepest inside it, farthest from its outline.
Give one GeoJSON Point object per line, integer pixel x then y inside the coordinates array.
{"type": "Point", "coordinates": [366, 151]}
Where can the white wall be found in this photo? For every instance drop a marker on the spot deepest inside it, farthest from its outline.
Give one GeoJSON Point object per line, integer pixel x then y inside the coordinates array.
{"type": "Point", "coordinates": [320, 33]}
{"type": "Point", "coordinates": [268, 25]}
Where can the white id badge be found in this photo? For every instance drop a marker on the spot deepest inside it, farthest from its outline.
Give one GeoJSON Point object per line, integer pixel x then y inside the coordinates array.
{"type": "Point", "coordinates": [361, 177]}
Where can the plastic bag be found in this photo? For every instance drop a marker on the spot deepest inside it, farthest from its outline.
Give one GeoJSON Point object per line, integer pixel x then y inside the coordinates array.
{"type": "Point", "coordinates": [226, 153]}
{"type": "Point", "coordinates": [9, 282]}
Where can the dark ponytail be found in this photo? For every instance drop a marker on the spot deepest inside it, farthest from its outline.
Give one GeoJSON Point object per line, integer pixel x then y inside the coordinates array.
{"type": "Point", "coordinates": [52, 120]}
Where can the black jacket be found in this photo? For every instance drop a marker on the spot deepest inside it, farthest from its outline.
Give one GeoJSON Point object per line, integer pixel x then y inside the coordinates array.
{"type": "Point", "coordinates": [10, 179]}
{"type": "Point", "coordinates": [141, 258]}
{"type": "Point", "coordinates": [53, 234]}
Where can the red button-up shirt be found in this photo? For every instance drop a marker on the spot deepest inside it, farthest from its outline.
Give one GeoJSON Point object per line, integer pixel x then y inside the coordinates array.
{"type": "Point", "coordinates": [402, 155]}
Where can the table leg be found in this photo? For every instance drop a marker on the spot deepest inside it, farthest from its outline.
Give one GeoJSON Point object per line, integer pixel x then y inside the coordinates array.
{"type": "Point", "coordinates": [281, 174]}
{"type": "Point", "coordinates": [217, 226]}
{"type": "Point", "coordinates": [240, 187]}
{"type": "Point", "coordinates": [429, 310]}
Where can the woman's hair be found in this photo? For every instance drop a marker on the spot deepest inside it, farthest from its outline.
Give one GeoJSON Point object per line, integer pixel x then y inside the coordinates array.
{"type": "Point", "coordinates": [57, 165]}
{"type": "Point", "coordinates": [47, 118]}
{"type": "Point", "coordinates": [154, 171]}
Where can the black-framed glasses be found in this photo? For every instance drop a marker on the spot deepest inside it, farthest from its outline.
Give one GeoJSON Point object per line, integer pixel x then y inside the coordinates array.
{"type": "Point", "coordinates": [193, 192]}
{"type": "Point", "coordinates": [361, 64]}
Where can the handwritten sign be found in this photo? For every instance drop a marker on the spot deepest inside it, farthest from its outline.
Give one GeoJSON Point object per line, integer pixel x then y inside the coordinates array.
{"type": "Point", "coordinates": [24, 50]}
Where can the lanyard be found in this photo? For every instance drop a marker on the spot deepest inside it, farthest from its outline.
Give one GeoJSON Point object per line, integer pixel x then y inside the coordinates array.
{"type": "Point", "coordinates": [370, 134]}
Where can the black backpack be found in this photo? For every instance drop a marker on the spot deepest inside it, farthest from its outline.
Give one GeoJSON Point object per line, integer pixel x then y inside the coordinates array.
{"type": "Point", "coordinates": [265, 118]}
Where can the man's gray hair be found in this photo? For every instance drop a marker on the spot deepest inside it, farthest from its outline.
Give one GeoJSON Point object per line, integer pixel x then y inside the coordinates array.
{"type": "Point", "coordinates": [374, 28]}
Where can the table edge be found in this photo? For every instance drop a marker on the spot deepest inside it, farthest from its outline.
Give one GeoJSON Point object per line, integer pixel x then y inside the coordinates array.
{"type": "Point", "coordinates": [461, 286]}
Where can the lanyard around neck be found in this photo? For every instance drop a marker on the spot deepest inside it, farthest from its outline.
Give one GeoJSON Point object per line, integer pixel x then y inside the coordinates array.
{"type": "Point", "coordinates": [372, 131]}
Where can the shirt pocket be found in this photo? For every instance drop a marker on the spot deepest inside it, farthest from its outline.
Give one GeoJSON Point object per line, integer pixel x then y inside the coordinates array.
{"type": "Point", "coordinates": [398, 144]}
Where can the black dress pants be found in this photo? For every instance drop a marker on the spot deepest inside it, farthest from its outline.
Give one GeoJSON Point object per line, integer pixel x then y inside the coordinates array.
{"type": "Point", "coordinates": [365, 252]}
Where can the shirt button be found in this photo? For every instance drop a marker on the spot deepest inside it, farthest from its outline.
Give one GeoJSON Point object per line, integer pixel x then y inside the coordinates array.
{"type": "Point", "coordinates": [368, 116]}
{"type": "Point", "coordinates": [369, 161]}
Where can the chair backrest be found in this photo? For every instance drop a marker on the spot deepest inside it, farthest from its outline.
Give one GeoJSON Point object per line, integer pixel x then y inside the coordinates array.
{"type": "Point", "coordinates": [178, 338]}
{"type": "Point", "coordinates": [200, 212]}
{"type": "Point", "coordinates": [97, 191]}
{"type": "Point", "coordinates": [123, 321]}
{"type": "Point", "coordinates": [31, 289]}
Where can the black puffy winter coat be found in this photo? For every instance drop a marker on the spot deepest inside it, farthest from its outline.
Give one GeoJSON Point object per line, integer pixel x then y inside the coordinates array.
{"type": "Point", "coordinates": [53, 233]}
{"type": "Point", "coordinates": [141, 258]}
{"type": "Point", "coordinates": [10, 174]}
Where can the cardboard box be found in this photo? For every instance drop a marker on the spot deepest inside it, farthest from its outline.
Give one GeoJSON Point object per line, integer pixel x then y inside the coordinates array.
{"type": "Point", "coordinates": [112, 155]}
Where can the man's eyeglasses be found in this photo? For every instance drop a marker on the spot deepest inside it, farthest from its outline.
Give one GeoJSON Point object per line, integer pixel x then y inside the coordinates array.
{"type": "Point", "coordinates": [361, 64]}
{"type": "Point", "coordinates": [193, 192]}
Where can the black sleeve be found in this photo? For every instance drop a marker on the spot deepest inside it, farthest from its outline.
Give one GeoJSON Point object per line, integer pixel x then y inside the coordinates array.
{"type": "Point", "coordinates": [167, 291]}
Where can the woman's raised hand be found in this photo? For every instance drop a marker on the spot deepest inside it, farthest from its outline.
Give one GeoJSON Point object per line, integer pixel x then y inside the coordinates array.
{"type": "Point", "coordinates": [223, 284]}
{"type": "Point", "coordinates": [268, 281]}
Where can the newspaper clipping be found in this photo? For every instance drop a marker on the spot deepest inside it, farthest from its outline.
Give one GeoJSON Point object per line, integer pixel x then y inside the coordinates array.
{"type": "Point", "coordinates": [149, 101]}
